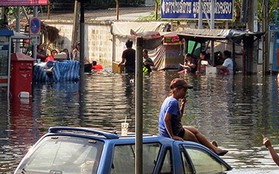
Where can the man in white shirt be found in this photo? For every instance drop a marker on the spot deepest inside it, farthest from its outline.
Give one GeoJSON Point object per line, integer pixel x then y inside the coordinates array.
{"type": "Point", "coordinates": [227, 67]}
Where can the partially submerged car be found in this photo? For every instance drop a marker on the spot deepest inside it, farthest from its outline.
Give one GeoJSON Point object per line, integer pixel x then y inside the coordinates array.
{"type": "Point", "coordinates": [74, 150]}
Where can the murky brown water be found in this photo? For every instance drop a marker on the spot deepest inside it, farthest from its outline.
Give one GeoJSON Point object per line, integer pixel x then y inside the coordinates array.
{"type": "Point", "coordinates": [233, 111]}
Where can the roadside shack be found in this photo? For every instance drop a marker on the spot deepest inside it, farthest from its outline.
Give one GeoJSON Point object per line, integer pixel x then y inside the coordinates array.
{"type": "Point", "coordinates": [239, 42]}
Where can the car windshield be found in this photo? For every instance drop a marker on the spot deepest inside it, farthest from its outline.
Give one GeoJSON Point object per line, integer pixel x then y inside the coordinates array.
{"type": "Point", "coordinates": [62, 154]}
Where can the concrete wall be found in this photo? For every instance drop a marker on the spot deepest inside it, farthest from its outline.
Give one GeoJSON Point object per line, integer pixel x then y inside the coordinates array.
{"type": "Point", "coordinates": [100, 44]}
{"type": "Point", "coordinates": [98, 40]}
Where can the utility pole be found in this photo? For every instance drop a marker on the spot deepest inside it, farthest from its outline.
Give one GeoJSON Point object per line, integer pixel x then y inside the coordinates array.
{"type": "Point", "coordinates": [82, 55]}
{"type": "Point", "coordinates": [251, 45]}
{"type": "Point", "coordinates": [212, 26]}
{"type": "Point", "coordinates": [265, 29]}
{"type": "Point", "coordinates": [212, 14]}
{"type": "Point", "coordinates": [17, 49]}
{"type": "Point", "coordinates": [200, 15]}
{"type": "Point", "coordinates": [139, 107]}
{"type": "Point", "coordinates": [35, 14]}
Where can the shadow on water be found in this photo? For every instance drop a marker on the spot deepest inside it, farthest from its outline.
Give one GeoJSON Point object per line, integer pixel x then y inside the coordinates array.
{"type": "Point", "coordinates": [234, 111]}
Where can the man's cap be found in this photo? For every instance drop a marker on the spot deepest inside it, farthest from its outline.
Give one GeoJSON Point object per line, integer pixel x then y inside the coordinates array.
{"type": "Point", "coordinates": [179, 83]}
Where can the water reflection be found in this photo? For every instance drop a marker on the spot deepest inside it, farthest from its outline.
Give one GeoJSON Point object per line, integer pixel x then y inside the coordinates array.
{"type": "Point", "coordinates": [231, 110]}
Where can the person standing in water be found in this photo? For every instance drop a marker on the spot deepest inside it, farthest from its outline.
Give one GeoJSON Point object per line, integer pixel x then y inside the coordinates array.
{"type": "Point", "coordinates": [147, 63]}
{"type": "Point", "coordinates": [227, 67]}
{"type": "Point", "coordinates": [129, 58]}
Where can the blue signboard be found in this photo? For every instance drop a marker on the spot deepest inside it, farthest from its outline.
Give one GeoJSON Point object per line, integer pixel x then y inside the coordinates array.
{"type": "Point", "coordinates": [189, 9]}
{"type": "Point", "coordinates": [35, 26]}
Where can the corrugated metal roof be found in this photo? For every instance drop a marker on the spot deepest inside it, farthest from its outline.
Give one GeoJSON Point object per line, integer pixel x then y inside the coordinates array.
{"type": "Point", "coordinates": [205, 33]}
{"type": "Point", "coordinates": [216, 34]}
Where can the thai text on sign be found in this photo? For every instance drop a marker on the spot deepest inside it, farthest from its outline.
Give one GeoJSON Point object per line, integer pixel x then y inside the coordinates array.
{"type": "Point", "coordinates": [189, 9]}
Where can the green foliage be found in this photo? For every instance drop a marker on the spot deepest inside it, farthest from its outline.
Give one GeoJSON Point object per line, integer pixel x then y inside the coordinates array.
{"type": "Point", "coordinates": [10, 11]}
{"type": "Point", "coordinates": [273, 5]}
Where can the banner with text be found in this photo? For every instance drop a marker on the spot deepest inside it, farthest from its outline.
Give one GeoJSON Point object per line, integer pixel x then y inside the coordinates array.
{"type": "Point", "coordinates": [189, 9]}
{"type": "Point", "coordinates": [22, 2]}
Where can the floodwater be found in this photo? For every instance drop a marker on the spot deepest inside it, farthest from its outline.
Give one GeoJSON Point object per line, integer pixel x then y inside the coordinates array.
{"type": "Point", "coordinates": [233, 111]}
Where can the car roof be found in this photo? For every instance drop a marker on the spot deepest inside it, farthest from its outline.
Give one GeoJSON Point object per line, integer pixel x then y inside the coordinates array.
{"type": "Point", "coordinates": [113, 137]}
{"type": "Point", "coordinates": [91, 133]}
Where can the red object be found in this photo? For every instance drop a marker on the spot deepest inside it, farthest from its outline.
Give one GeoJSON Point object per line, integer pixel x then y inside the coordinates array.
{"type": "Point", "coordinates": [21, 74]}
{"type": "Point", "coordinates": [97, 67]}
{"type": "Point", "coordinates": [3, 81]}
{"type": "Point", "coordinates": [171, 39]}
{"type": "Point", "coordinates": [50, 58]}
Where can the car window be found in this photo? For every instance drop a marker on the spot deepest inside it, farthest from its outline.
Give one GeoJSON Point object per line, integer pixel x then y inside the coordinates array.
{"type": "Point", "coordinates": [167, 164]}
{"type": "Point", "coordinates": [186, 163]}
{"type": "Point", "coordinates": [124, 158]}
{"type": "Point", "coordinates": [67, 155]}
{"type": "Point", "coordinates": [203, 162]}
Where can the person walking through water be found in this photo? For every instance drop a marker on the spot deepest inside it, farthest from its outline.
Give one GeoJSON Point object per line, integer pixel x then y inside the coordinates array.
{"type": "Point", "coordinates": [202, 63]}
{"type": "Point", "coordinates": [76, 52]}
{"type": "Point", "coordinates": [190, 64]}
{"type": "Point", "coordinates": [129, 58]}
{"type": "Point", "coordinates": [170, 118]}
{"type": "Point", "coordinates": [41, 53]}
{"type": "Point", "coordinates": [147, 63]}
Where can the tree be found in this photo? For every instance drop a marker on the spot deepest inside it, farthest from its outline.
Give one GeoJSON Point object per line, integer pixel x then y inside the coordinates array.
{"type": "Point", "coordinates": [273, 5]}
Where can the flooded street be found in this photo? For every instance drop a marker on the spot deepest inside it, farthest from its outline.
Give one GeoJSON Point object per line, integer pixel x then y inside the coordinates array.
{"type": "Point", "coordinates": [233, 111]}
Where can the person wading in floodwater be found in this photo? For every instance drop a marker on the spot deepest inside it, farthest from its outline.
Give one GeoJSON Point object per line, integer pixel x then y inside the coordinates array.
{"type": "Point", "coordinates": [129, 58]}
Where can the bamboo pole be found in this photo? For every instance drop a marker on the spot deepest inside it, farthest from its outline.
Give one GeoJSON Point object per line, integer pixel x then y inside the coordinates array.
{"type": "Point", "coordinates": [156, 10]}
{"type": "Point", "coordinates": [117, 9]}
{"type": "Point", "coordinates": [48, 9]}
{"type": "Point", "coordinates": [75, 23]}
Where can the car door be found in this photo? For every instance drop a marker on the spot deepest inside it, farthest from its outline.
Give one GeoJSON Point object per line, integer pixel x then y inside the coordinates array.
{"type": "Point", "coordinates": [124, 158]}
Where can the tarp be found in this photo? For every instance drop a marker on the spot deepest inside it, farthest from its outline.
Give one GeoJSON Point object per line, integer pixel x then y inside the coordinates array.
{"type": "Point", "coordinates": [167, 57]}
{"type": "Point", "coordinates": [164, 56]}
{"type": "Point", "coordinates": [123, 29]}
{"type": "Point", "coordinates": [60, 72]}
